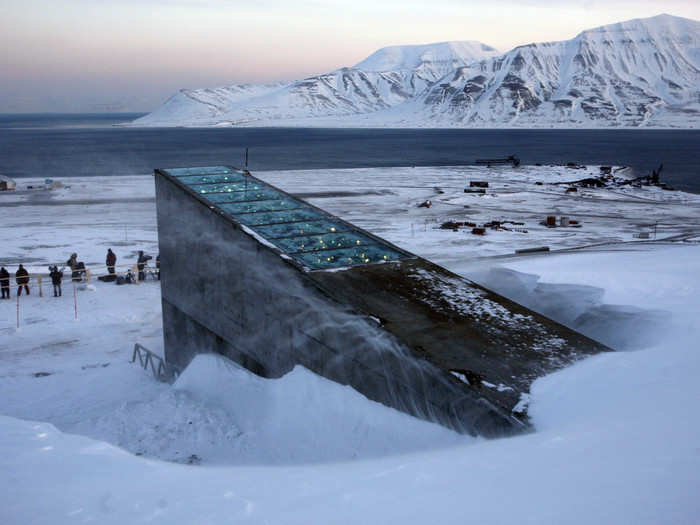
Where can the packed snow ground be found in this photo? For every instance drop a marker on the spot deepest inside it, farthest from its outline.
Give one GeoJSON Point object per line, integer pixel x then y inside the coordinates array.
{"type": "Point", "coordinates": [615, 442]}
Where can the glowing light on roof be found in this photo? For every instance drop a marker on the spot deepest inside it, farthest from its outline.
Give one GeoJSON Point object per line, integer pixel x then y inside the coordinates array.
{"type": "Point", "coordinates": [311, 236]}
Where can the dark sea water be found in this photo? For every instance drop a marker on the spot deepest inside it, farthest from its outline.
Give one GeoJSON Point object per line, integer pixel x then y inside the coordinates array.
{"type": "Point", "coordinates": [71, 145]}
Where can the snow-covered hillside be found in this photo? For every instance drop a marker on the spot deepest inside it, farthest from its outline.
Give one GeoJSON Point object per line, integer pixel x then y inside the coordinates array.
{"type": "Point", "coordinates": [203, 106]}
{"type": "Point", "coordinates": [388, 77]}
{"type": "Point", "coordinates": [635, 73]}
{"type": "Point", "coordinates": [643, 72]}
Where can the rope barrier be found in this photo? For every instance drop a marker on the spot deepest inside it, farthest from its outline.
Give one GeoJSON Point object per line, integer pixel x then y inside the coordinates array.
{"type": "Point", "coordinates": [86, 276]}
{"type": "Point", "coordinates": [88, 273]}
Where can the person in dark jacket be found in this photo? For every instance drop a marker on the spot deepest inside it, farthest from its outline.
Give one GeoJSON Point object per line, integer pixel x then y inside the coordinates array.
{"type": "Point", "coordinates": [158, 266]}
{"type": "Point", "coordinates": [141, 264]}
{"type": "Point", "coordinates": [5, 282]}
{"type": "Point", "coordinates": [56, 278]}
{"type": "Point", "coordinates": [22, 279]}
{"type": "Point", "coordinates": [111, 260]}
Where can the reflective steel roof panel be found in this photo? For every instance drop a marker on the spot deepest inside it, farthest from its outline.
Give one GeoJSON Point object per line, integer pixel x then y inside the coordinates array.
{"type": "Point", "coordinates": [349, 257]}
{"type": "Point", "coordinates": [257, 194]}
{"type": "Point", "coordinates": [205, 170]}
{"type": "Point", "coordinates": [209, 179]}
{"type": "Point", "coordinates": [313, 237]}
{"type": "Point", "coordinates": [329, 241]}
{"type": "Point", "coordinates": [278, 217]}
{"type": "Point", "coordinates": [296, 229]}
{"type": "Point", "coordinates": [236, 208]}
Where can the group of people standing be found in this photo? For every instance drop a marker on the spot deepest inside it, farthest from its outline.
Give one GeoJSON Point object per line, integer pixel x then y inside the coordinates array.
{"type": "Point", "coordinates": [141, 263]}
{"type": "Point", "coordinates": [77, 271]}
{"type": "Point", "coordinates": [21, 278]}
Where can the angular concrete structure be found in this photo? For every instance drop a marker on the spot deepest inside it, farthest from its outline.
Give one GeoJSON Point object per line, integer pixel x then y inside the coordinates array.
{"type": "Point", "coordinates": [271, 282]}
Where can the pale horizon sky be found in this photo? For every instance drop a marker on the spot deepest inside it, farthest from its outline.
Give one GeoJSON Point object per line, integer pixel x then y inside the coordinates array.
{"type": "Point", "coordinates": [131, 55]}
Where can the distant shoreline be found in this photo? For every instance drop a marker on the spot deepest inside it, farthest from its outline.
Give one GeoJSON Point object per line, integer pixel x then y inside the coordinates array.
{"type": "Point", "coordinates": [48, 120]}
{"type": "Point", "coordinates": [20, 121]}
{"type": "Point", "coordinates": [54, 147]}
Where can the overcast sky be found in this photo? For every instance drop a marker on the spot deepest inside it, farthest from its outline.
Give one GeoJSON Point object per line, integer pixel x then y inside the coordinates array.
{"type": "Point", "coordinates": [130, 55]}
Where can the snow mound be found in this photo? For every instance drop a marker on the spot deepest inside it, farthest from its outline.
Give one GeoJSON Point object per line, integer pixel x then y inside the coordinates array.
{"type": "Point", "coordinates": [172, 427]}
{"type": "Point", "coordinates": [218, 413]}
{"type": "Point", "coordinates": [303, 417]}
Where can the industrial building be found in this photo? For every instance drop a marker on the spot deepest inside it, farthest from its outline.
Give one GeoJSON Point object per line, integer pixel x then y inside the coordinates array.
{"type": "Point", "coordinates": [272, 282]}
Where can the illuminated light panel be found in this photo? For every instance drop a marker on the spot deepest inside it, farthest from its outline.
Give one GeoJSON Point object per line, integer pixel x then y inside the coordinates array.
{"type": "Point", "coordinates": [253, 194]}
{"type": "Point", "coordinates": [349, 256]}
{"type": "Point", "coordinates": [311, 236]}
{"type": "Point", "coordinates": [210, 179]}
{"type": "Point", "coordinates": [204, 170]}
{"type": "Point", "coordinates": [236, 208]}
{"type": "Point", "coordinates": [296, 229]}
{"type": "Point", "coordinates": [330, 241]}
{"type": "Point", "coordinates": [220, 188]}
{"type": "Point", "coordinates": [278, 217]}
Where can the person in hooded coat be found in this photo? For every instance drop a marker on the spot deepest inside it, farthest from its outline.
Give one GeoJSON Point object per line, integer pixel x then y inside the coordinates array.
{"type": "Point", "coordinates": [22, 279]}
{"type": "Point", "coordinates": [111, 260]}
{"type": "Point", "coordinates": [141, 264]}
{"type": "Point", "coordinates": [5, 282]}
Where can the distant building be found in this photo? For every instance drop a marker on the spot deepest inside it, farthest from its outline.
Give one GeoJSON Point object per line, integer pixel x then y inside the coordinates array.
{"type": "Point", "coordinates": [6, 183]}
{"type": "Point", "coordinates": [271, 281]}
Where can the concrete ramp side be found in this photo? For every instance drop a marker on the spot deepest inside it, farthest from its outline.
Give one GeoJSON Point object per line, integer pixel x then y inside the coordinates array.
{"type": "Point", "coordinates": [272, 282]}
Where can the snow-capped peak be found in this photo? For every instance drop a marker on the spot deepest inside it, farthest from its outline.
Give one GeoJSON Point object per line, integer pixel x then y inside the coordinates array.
{"type": "Point", "coordinates": [659, 25]}
{"type": "Point", "coordinates": [448, 55]}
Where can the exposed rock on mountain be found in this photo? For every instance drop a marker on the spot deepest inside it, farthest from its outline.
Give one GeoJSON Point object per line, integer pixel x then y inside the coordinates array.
{"type": "Point", "coordinates": [636, 73]}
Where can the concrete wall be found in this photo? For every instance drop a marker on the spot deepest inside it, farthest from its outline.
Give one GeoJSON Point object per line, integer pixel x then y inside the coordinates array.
{"type": "Point", "coordinates": [224, 291]}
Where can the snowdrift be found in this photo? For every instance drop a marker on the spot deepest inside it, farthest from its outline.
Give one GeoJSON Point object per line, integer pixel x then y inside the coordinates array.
{"type": "Point", "coordinates": [220, 413]}
{"type": "Point", "coordinates": [303, 417]}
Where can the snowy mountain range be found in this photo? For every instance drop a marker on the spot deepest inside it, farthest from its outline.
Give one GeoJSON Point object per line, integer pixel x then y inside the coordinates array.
{"type": "Point", "coordinates": [643, 72]}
